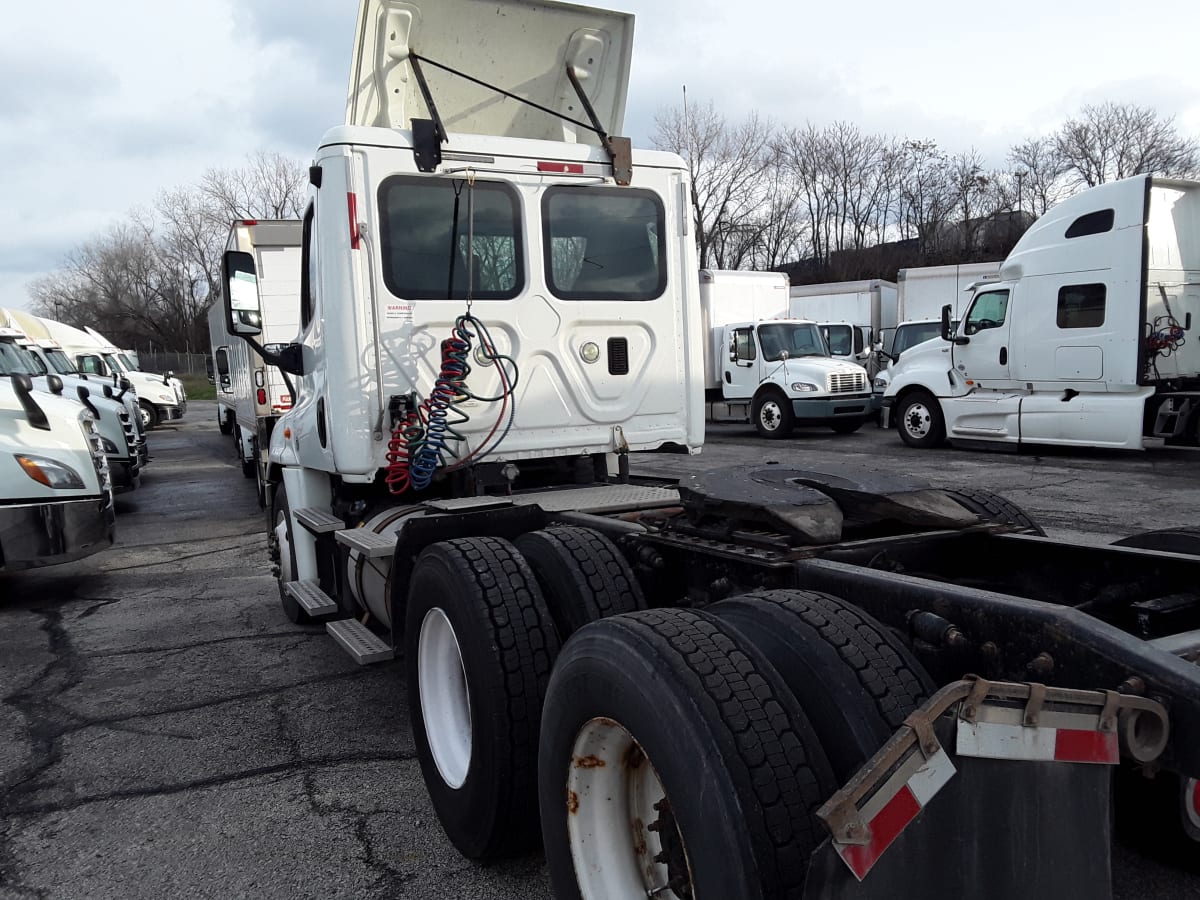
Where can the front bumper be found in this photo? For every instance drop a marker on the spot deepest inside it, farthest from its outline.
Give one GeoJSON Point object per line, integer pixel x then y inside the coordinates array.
{"type": "Point", "coordinates": [46, 534]}
{"type": "Point", "coordinates": [886, 411]}
{"type": "Point", "coordinates": [125, 474]}
{"type": "Point", "coordinates": [170, 413]}
{"type": "Point", "coordinates": [822, 409]}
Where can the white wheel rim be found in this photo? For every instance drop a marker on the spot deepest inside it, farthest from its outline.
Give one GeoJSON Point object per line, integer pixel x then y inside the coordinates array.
{"type": "Point", "coordinates": [285, 547]}
{"type": "Point", "coordinates": [770, 415]}
{"type": "Point", "coordinates": [612, 789]}
{"type": "Point", "coordinates": [1191, 807]}
{"type": "Point", "coordinates": [445, 703]}
{"type": "Point", "coordinates": [144, 415]}
{"type": "Point", "coordinates": [917, 420]}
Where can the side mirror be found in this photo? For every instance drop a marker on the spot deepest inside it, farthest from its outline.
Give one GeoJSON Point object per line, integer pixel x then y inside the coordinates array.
{"type": "Point", "coordinates": [55, 384]}
{"type": "Point", "coordinates": [243, 309]}
{"type": "Point", "coordinates": [288, 357]}
{"type": "Point", "coordinates": [946, 322]}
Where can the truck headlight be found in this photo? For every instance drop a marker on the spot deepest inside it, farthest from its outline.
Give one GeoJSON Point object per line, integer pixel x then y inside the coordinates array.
{"type": "Point", "coordinates": [109, 446]}
{"type": "Point", "coordinates": [48, 472]}
{"type": "Point", "coordinates": [803, 387]}
{"type": "Point", "coordinates": [881, 384]}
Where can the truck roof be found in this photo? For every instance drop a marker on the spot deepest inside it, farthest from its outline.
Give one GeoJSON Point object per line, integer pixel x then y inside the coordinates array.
{"type": "Point", "coordinates": [519, 46]}
{"type": "Point", "coordinates": [839, 287]}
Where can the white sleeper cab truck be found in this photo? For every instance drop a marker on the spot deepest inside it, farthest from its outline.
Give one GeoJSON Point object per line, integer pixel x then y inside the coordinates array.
{"type": "Point", "coordinates": [774, 371]}
{"type": "Point", "coordinates": [56, 500]}
{"type": "Point", "coordinates": [111, 422]}
{"type": "Point", "coordinates": [160, 397]}
{"type": "Point", "coordinates": [747, 684]}
{"type": "Point", "coordinates": [1086, 339]}
{"type": "Point", "coordinates": [260, 393]}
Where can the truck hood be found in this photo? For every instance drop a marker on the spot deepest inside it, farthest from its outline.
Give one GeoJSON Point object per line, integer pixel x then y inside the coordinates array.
{"type": "Point", "coordinates": [822, 364]}
{"type": "Point", "coordinates": [520, 46]}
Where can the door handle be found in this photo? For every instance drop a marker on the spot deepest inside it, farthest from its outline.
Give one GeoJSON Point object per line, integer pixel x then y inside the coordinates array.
{"type": "Point", "coordinates": [728, 378]}
{"type": "Point", "coordinates": [1004, 356]}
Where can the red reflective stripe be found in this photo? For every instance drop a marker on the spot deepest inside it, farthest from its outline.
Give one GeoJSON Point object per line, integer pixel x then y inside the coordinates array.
{"type": "Point", "coordinates": [1076, 745]}
{"type": "Point", "coordinates": [885, 828]}
{"type": "Point", "coordinates": [561, 167]}
{"type": "Point", "coordinates": [352, 206]}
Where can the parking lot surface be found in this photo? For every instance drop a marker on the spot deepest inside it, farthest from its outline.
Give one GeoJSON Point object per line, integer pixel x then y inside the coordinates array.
{"type": "Point", "coordinates": [165, 732]}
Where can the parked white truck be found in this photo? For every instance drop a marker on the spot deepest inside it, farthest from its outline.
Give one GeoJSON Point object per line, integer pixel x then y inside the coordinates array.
{"type": "Point", "coordinates": [56, 501]}
{"type": "Point", "coordinates": [1084, 339]}
{"type": "Point", "coordinates": [112, 420]}
{"type": "Point", "coordinates": [492, 319]}
{"type": "Point", "coordinates": [250, 394]}
{"type": "Point", "coordinates": [770, 368]}
{"type": "Point", "coordinates": [853, 315]}
{"type": "Point", "coordinates": [161, 398]}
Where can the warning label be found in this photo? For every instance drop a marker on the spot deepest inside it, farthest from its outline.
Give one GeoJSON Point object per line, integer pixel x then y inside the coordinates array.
{"type": "Point", "coordinates": [399, 310]}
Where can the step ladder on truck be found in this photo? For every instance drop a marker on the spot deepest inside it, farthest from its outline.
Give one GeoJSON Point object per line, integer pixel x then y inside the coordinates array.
{"type": "Point", "coordinates": [759, 682]}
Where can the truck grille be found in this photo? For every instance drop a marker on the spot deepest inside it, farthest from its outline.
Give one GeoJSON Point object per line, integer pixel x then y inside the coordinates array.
{"type": "Point", "coordinates": [130, 436]}
{"type": "Point", "coordinates": [99, 459]}
{"type": "Point", "coordinates": [848, 383]}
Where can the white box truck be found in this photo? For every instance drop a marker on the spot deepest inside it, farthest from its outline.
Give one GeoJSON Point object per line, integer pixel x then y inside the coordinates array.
{"type": "Point", "coordinates": [767, 367]}
{"type": "Point", "coordinates": [853, 315]}
{"type": "Point", "coordinates": [250, 394]}
{"type": "Point", "coordinates": [677, 688]}
{"type": "Point", "coordinates": [1084, 339]}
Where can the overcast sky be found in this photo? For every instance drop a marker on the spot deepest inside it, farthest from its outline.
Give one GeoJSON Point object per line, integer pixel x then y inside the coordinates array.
{"type": "Point", "coordinates": [103, 105]}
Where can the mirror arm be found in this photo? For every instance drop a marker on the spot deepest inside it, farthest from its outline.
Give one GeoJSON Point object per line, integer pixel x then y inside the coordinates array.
{"type": "Point", "coordinates": [290, 361]}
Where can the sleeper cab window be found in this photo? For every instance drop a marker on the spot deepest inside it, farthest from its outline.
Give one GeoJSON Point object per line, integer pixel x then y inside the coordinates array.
{"type": "Point", "coordinates": [1081, 305]}
{"type": "Point", "coordinates": [604, 243]}
{"type": "Point", "coordinates": [443, 239]}
{"type": "Point", "coordinates": [1093, 223]}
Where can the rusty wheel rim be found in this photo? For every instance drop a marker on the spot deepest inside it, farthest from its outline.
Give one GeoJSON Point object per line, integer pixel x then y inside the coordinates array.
{"type": "Point", "coordinates": [621, 828]}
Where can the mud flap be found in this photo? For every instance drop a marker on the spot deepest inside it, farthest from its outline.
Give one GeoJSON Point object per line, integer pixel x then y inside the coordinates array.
{"type": "Point", "coordinates": [990, 789]}
{"type": "Point", "coordinates": [998, 828]}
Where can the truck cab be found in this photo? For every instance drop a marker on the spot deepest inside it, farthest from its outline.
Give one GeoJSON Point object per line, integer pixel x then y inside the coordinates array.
{"type": "Point", "coordinates": [56, 501]}
{"type": "Point", "coordinates": [1083, 338]}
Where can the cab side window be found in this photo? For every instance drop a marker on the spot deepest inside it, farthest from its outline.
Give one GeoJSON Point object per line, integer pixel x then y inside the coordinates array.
{"type": "Point", "coordinates": [741, 347]}
{"type": "Point", "coordinates": [988, 311]}
{"type": "Point", "coordinates": [92, 365]}
{"type": "Point", "coordinates": [308, 270]}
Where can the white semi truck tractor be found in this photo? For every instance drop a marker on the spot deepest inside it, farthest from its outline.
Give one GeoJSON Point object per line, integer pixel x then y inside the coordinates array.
{"type": "Point", "coordinates": [750, 683]}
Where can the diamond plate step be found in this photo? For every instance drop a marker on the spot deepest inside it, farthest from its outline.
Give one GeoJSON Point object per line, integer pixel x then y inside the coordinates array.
{"type": "Point", "coordinates": [367, 542]}
{"type": "Point", "coordinates": [318, 521]}
{"type": "Point", "coordinates": [311, 598]}
{"type": "Point", "coordinates": [604, 498]}
{"type": "Point", "coordinates": [359, 641]}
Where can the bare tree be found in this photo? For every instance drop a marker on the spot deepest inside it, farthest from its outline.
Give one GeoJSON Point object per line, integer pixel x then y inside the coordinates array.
{"type": "Point", "coordinates": [1041, 186]}
{"type": "Point", "coordinates": [1110, 141]}
{"type": "Point", "coordinates": [726, 164]}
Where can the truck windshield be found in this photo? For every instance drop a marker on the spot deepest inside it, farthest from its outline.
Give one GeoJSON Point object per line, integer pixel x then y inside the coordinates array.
{"type": "Point", "coordinates": [61, 362]}
{"type": "Point", "coordinates": [127, 363]}
{"type": "Point", "coordinates": [425, 231]}
{"type": "Point", "coordinates": [114, 364]}
{"type": "Point", "coordinates": [795, 339]}
{"type": "Point", "coordinates": [14, 360]}
{"type": "Point", "coordinates": [914, 333]}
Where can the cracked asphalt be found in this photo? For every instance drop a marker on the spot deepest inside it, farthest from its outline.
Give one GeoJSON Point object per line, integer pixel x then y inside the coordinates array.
{"type": "Point", "coordinates": [165, 732]}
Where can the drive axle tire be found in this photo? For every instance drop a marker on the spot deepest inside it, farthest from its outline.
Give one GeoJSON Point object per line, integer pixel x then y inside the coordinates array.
{"type": "Point", "coordinates": [772, 414]}
{"type": "Point", "coordinates": [992, 507]}
{"type": "Point", "coordinates": [479, 647]}
{"type": "Point", "coordinates": [283, 552]}
{"type": "Point", "coordinates": [582, 574]}
{"type": "Point", "coordinates": [920, 421]}
{"type": "Point", "coordinates": [225, 423]}
{"type": "Point", "coordinates": [657, 718]}
{"type": "Point", "coordinates": [248, 466]}
{"type": "Point", "coordinates": [847, 426]}
{"type": "Point", "coordinates": [1173, 540]}
{"type": "Point", "coordinates": [855, 680]}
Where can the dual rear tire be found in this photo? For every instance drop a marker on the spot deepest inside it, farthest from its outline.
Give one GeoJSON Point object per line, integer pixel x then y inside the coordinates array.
{"type": "Point", "coordinates": [767, 700]}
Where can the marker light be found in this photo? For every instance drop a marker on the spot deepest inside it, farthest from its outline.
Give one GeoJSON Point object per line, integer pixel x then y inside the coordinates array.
{"type": "Point", "coordinates": [590, 352]}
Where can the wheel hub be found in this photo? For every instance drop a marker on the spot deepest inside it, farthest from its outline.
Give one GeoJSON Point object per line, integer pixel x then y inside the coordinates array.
{"type": "Point", "coordinates": [917, 420]}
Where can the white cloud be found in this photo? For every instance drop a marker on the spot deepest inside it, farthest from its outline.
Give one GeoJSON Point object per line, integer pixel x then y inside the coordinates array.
{"type": "Point", "coordinates": [103, 105]}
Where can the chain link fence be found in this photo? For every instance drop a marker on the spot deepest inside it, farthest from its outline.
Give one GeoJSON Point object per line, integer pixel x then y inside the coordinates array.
{"type": "Point", "coordinates": [163, 361]}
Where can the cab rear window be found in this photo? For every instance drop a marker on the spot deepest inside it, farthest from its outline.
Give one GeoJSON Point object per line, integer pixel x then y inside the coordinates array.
{"type": "Point", "coordinates": [603, 243]}
{"type": "Point", "coordinates": [443, 238]}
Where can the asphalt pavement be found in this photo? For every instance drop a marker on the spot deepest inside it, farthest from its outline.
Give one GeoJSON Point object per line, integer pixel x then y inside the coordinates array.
{"type": "Point", "coordinates": [165, 732]}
